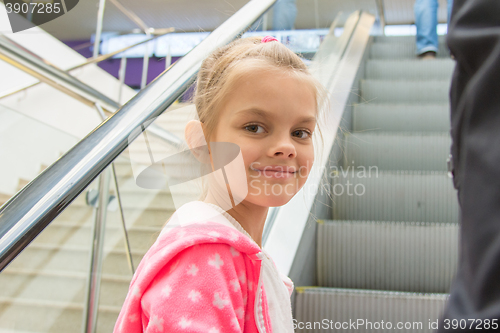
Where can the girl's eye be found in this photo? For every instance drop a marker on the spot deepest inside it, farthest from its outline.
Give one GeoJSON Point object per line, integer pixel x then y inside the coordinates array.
{"type": "Point", "coordinates": [301, 134]}
{"type": "Point", "coordinates": [255, 129]}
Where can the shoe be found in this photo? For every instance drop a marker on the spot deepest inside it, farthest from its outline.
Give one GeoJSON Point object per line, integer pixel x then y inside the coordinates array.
{"type": "Point", "coordinates": [429, 55]}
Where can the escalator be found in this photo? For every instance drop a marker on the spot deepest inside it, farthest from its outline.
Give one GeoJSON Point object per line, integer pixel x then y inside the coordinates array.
{"type": "Point", "coordinates": [388, 251]}
{"type": "Point", "coordinates": [406, 251]}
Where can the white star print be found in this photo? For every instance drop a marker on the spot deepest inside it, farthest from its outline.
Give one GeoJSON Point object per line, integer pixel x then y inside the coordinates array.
{"type": "Point", "coordinates": [214, 234]}
{"type": "Point", "coordinates": [194, 296]}
{"type": "Point", "coordinates": [136, 292]}
{"type": "Point", "coordinates": [193, 270]}
{"type": "Point", "coordinates": [239, 313]}
{"type": "Point", "coordinates": [236, 285]}
{"type": "Point", "coordinates": [121, 324]}
{"type": "Point", "coordinates": [236, 324]}
{"type": "Point", "coordinates": [214, 330]}
{"type": "Point", "coordinates": [166, 290]}
{"type": "Point", "coordinates": [242, 278]}
{"type": "Point", "coordinates": [233, 236]}
{"type": "Point", "coordinates": [133, 318]}
{"type": "Point", "coordinates": [250, 285]}
{"type": "Point", "coordinates": [234, 253]}
{"type": "Point", "coordinates": [157, 322]}
{"type": "Point", "coordinates": [216, 262]}
{"type": "Point", "coordinates": [219, 302]}
{"type": "Point", "coordinates": [185, 322]}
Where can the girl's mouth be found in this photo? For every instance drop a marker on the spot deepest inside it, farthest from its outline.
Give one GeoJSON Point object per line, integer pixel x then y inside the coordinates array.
{"type": "Point", "coordinates": [279, 172]}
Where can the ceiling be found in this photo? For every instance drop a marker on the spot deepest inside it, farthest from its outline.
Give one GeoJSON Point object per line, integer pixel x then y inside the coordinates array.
{"type": "Point", "coordinates": [206, 15]}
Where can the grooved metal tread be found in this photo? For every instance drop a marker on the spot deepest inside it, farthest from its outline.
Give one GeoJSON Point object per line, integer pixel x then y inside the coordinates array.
{"type": "Point", "coordinates": [371, 117]}
{"type": "Point", "coordinates": [339, 306]}
{"type": "Point", "coordinates": [398, 151]}
{"type": "Point", "coordinates": [404, 91]}
{"type": "Point", "coordinates": [403, 39]}
{"type": "Point", "coordinates": [406, 50]}
{"type": "Point", "coordinates": [410, 69]}
{"type": "Point", "coordinates": [397, 256]}
{"type": "Point", "coordinates": [410, 196]}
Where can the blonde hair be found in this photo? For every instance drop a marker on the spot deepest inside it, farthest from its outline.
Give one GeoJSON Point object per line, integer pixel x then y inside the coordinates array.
{"type": "Point", "coordinates": [227, 64]}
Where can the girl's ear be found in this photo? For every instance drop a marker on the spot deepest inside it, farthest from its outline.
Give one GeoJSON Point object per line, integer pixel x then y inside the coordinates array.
{"type": "Point", "coordinates": [195, 138]}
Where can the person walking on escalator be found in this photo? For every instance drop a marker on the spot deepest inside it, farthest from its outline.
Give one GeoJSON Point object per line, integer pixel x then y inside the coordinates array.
{"type": "Point", "coordinates": [426, 21]}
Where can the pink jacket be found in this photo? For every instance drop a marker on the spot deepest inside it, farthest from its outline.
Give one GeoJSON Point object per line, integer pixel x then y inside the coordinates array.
{"type": "Point", "coordinates": [205, 274]}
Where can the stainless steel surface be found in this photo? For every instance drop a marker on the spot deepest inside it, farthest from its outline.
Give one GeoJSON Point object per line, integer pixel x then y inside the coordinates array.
{"type": "Point", "coordinates": [120, 206]}
{"type": "Point", "coordinates": [381, 14]}
{"type": "Point", "coordinates": [96, 254]}
{"type": "Point", "coordinates": [354, 310]}
{"type": "Point", "coordinates": [112, 54]}
{"type": "Point", "coordinates": [98, 30]}
{"type": "Point", "coordinates": [25, 215]}
{"type": "Point", "coordinates": [93, 61]}
{"type": "Point", "coordinates": [121, 77]}
{"type": "Point", "coordinates": [128, 250]}
{"type": "Point", "coordinates": [131, 15]}
{"type": "Point", "coordinates": [53, 75]}
{"type": "Point", "coordinates": [145, 64]}
{"type": "Point", "coordinates": [140, 23]}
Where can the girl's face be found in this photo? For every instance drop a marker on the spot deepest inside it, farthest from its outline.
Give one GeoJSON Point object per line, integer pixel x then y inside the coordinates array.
{"type": "Point", "coordinates": [271, 116]}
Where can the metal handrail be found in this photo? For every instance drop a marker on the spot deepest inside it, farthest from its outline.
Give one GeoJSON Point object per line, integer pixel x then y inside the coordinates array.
{"type": "Point", "coordinates": [95, 60]}
{"type": "Point", "coordinates": [26, 214]}
{"type": "Point", "coordinates": [53, 75]}
{"type": "Point", "coordinates": [71, 86]}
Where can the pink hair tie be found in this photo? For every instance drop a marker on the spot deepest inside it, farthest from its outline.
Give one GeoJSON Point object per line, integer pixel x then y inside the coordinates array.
{"type": "Point", "coordinates": [268, 39]}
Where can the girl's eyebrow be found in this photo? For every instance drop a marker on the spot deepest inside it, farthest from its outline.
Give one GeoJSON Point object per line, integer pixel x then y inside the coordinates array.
{"type": "Point", "coordinates": [264, 114]}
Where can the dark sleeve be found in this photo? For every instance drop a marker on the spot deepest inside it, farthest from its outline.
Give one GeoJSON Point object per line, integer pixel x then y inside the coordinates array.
{"type": "Point", "coordinates": [474, 41]}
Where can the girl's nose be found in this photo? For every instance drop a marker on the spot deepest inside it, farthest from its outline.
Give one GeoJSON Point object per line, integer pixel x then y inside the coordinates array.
{"type": "Point", "coordinates": [284, 149]}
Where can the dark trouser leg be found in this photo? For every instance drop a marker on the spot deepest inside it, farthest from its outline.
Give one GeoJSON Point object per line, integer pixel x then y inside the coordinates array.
{"type": "Point", "coordinates": [474, 40]}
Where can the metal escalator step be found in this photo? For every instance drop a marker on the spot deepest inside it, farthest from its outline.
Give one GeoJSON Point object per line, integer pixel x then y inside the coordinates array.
{"type": "Point", "coordinates": [398, 151]}
{"type": "Point", "coordinates": [385, 91]}
{"type": "Point", "coordinates": [401, 117]}
{"type": "Point", "coordinates": [403, 39]}
{"type": "Point", "coordinates": [402, 51]}
{"type": "Point", "coordinates": [351, 310]}
{"type": "Point", "coordinates": [439, 69]}
{"type": "Point", "coordinates": [402, 256]}
{"type": "Point", "coordinates": [408, 196]}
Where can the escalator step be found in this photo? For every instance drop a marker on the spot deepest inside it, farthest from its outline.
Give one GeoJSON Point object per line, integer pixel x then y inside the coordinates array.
{"type": "Point", "coordinates": [403, 256]}
{"type": "Point", "coordinates": [424, 92]}
{"type": "Point", "coordinates": [408, 196]}
{"type": "Point", "coordinates": [398, 151]}
{"type": "Point", "coordinates": [402, 39]}
{"type": "Point", "coordinates": [401, 117]}
{"type": "Point", "coordinates": [401, 51]}
{"type": "Point", "coordinates": [439, 69]}
{"type": "Point", "coordinates": [328, 307]}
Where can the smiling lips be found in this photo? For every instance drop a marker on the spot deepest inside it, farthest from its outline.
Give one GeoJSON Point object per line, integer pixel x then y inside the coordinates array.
{"type": "Point", "coordinates": [280, 172]}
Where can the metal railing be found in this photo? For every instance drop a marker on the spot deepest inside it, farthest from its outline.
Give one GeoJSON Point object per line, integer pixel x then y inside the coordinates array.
{"type": "Point", "coordinates": [26, 214]}
{"type": "Point", "coordinates": [92, 60]}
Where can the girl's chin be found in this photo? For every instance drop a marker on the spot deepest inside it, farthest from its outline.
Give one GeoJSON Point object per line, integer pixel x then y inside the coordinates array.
{"type": "Point", "coordinates": [269, 200]}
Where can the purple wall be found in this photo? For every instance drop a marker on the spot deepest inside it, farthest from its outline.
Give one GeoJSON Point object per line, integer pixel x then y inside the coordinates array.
{"type": "Point", "coordinates": [133, 73]}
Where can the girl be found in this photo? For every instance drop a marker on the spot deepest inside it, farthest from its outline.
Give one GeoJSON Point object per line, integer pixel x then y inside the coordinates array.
{"type": "Point", "coordinates": [257, 106]}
